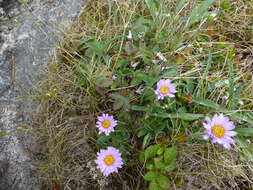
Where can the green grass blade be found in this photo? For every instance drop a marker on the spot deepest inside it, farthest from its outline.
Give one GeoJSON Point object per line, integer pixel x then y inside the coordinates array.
{"type": "Point", "coordinates": [183, 116]}
{"type": "Point", "coordinates": [180, 5]}
{"type": "Point", "coordinates": [207, 103]}
{"type": "Point", "coordinates": [247, 132]}
{"type": "Point", "coordinates": [152, 6]}
{"type": "Point", "coordinates": [199, 12]}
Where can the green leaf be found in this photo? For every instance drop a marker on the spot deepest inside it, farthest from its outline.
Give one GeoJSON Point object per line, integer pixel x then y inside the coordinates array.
{"type": "Point", "coordinates": [242, 117]}
{"type": "Point", "coordinates": [150, 166]}
{"type": "Point", "coordinates": [151, 151]}
{"type": "Point", "coordinates": [183, 116]}
{"type": "Point", "coordinates": [247, 132]}
{"type": "Point", "coordinates": [146, 140]}
{"type": "Point", "coordinates": [3, 133]}
{"type": "Point", "coordinates": [103, 140]}
{"type": "Point", "coordinates": [234, 97]}
{"type": "Point", "coordinates": [199, 12]}
{"type": "Point", "coordinates": [142, 156]}
{"type": "Point", "coordinates": [140, 108]}
{"type": "Point", "coordinates": [225, 4]}
{"type": "Point", "coordinates": [159, 164]}
{"type": "Point", "coordinates": [142, 132]}
{"type": "Point", "coordinates": [160, 151]}
{"type": "Point", "coordinates": [163, 181]}
{"type": "Point", "coordinates": [120, 102]}
{"type": "Point", "coordinates": [98, 48]}
{"type": "Point", "coordinates": [169, 73]}
{"type": "Point", "coordinates": [207, 103]}
{"type": "Point", "coordinates": [103, 82]}
{"type": "Point", "coordinates": [21, 129]}
{"type": "Point", "coordinates": [153, 7]}
{"type": "Point", "coordinates": [147, 95]}
{"type": "Point", "coordinates": [170, 167]}
{"type": "Point", "coordinates": [150, 176]}
{"type": "Point", "coordinates": [180, 5]}
{"type": "Point", "coordinates": [141, 25]}
{"type": "Point", "coordinates": [170, 154]}
{"type": "Point", "coordinates": [154, 186]}
{"type": "Point", "coordinates": [245, 148]}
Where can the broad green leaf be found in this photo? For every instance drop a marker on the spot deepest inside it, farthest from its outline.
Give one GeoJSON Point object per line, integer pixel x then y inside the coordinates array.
{"type": "Point", "coordinates": [160, 151]}
{"type": "Point", "coordinates": [200, 11]}
{"type": "Point", "coordinates": [169, 73]}
{"type": "Point", "coordinates": [103, 140]}
{"type": "Point", "coordinates": [142, 132]}
{"type": "Point", "coordinates": [142, 156]}
{"type": "Point", "coordinates": [207, 103]}
{"type": "Point", "coordinates": [153, 7]}
{"type": "Point", "coordinates": [141, 26]}
{"type": "Point", "coordinates": [151, 151]}
{"type": "Point", "coordinates": [170, 167]}
{"type": "Point", "coordinates": [147, 95]}
{"type": "Point", "coordinates": [247, 132]}
{"type": "Point", "coordinates": [150, 176]}
{"type": "Point", "coordinates": [103, 82]}
{"type": "Point", "coordinates": [120, 102]}
{"type": "Point", "coordinates": [159, 163]}
{"type": "Point", "coordinates": [163, 181]}
{"type": "Point", "coordinates": [98, 48]}
{"type": "Point", "coordinates": [3, 133]}
{"type": "Point", "coordinates": [140, 76]}
{"type": "Point", "coordinates": [225, 4]}
{"type": "Point", "coordinates": [153, 186]}
{"type": "Point", "coordinates": [150, 166]}
{"type": "Point", "coordinates": [146, 140]}
{"type": "Point", "coordinates": [183, 116]}
{"type": "Point", "coordinates": [170, 154]}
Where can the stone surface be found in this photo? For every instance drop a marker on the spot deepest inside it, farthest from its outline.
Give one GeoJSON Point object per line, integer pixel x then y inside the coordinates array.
{"type": "Point", "coordinates": [28, 35]}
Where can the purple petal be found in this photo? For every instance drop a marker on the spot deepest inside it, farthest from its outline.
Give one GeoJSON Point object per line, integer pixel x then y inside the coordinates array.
{"type": "Point", "coordinates": [231, 133]}
{"type": "Point", "coordinates": [205, 137]}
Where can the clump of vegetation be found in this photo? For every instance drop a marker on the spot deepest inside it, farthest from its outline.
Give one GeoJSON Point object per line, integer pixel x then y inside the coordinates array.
{"type": "Point", "coordinates": [112, 71]}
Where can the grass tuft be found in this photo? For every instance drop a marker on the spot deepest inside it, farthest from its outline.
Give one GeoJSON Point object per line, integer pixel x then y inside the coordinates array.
{"type": "Point", "coordinates": [110, 60]}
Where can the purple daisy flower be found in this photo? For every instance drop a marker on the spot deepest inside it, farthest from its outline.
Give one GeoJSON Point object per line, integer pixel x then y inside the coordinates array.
{"type": "Point", "coordinates": [106, 124]}
{"type": "Point", "coordinates": [165, 88]}
{"type": "Point", "coordinates": [109, 160]}
{"type": "Point", "coordinates": [219, 129]}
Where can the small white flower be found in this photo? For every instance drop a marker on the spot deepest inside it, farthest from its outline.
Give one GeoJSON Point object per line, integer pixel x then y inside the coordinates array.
{"type": "Point", "coordinates": [161, 56]}
{"type": "Point", "coordinates": [214, 14]}
{"type": "Point", "coordinates": [135, 64]}
{"type": "Point", "coordinates": [225, 97]}
{"type": "Point", "coordinates": [129, 36]}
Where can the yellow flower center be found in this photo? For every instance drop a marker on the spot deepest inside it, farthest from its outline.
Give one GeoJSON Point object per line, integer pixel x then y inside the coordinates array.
{"type": "Point", "coordinates": [218, 131]}
{"type": "Point", "coordinates": [106, 124]}
{"type": "Point", "coordinates": [109, 160]}
{"type": "Point", "coordinates": [164, 89]}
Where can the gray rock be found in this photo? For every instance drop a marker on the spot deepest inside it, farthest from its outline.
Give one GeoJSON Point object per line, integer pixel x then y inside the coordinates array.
{"type": "Point", "coordinates": [24, 52]}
